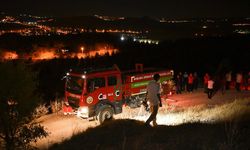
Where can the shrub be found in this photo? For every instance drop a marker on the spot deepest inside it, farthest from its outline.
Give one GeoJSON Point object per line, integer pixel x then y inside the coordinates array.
{"type": "Point", "coordinates": [18, 101]}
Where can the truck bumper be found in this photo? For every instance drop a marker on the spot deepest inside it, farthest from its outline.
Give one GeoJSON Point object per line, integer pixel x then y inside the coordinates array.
{"type": "Point", "coordinates": [82, 112]}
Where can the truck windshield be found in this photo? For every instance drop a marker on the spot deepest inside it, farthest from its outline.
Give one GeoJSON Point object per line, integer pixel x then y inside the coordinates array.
{"type": "Point", "coordinates": [74, 84]}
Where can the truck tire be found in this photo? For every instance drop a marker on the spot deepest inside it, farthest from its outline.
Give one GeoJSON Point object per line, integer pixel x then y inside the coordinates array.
{"type": "Point", "coordinates": [134, 102]}
{"type": "Point", "coordinates": [105, 113]}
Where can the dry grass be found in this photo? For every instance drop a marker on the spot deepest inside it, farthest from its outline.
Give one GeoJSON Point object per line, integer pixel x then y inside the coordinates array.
{"type": "Point", "coordinates": [56, 105]}
{"type": "Point", "coordinates": [222, 127]}
{"type": "Point", "coordinates": [200, 113]}
{"type": "Point", "coordinates": [43, 109]}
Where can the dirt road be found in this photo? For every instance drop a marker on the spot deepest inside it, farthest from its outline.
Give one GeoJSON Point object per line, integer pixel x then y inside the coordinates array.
{"type": "Point", "coordinates": [198, 97]}
{"type": "Point", "coordinates": [62, 127]}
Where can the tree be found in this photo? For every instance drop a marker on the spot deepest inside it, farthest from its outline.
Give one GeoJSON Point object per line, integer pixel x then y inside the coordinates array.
{"type": "Point", "coordinates": [18, 101]}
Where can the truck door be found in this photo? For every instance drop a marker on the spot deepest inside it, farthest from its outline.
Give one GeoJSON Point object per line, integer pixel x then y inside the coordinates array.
{"type": "Point", "coordinates": [114, 87]}
{"type": "Point", "coordinates": [96, 87]}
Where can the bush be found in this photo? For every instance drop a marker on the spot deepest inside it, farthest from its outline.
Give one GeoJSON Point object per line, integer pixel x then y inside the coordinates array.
{"type": "Point", "coordinates": [18, 101]}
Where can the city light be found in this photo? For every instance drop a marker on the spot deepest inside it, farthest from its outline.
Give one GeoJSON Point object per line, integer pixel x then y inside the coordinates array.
{"type": "Point", "coordinates": [122, 38]}
{"type": "Point", "coordinates": [82, 49]}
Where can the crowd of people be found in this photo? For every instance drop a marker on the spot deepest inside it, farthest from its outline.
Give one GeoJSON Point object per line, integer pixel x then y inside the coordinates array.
{"type": "Point", "coordinates": [212, 83]}
{"type": "Point", "coordinates": [189, 82]}
{"type": "Point", "coordinates": [186, 82]}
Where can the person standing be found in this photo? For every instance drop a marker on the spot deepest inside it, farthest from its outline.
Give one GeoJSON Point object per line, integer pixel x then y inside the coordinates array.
{"type": "Point", "coordinates": [210, 88]}
{"type": "Point", "coordinates": [247, 80]}
{"type": "Point", "coordinates": [190, 82]}
{"type": "Point", "coordinates": [196, 80]}
{"type": "Point", "coordinates": [153, 96]}
{"type": "Point", "coordinates": [178, 84]}
{"type": "Point", "coordinates": [238, 81]}
{"type": "Point", "coordinates": [181, 81]}
{"type": "Point", "coordinates": [205, 80]}
{"type": "Point", "coordinates": [185, 81]}
{"type": "Point", "coordinates": [228, 80]}
{"type": "Point", "coordinates": [222, 83]}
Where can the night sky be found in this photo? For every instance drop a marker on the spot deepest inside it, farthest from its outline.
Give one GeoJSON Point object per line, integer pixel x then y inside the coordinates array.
{"type": "Point", "coordinates": [130, 8]}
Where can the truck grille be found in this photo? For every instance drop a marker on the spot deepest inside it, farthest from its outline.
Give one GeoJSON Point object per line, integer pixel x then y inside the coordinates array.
{"type": "Point", "coordinates": [73, 102]}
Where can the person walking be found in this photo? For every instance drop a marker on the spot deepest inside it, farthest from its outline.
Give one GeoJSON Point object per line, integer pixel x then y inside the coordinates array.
{"type": "Point", "coordinates": [153, 96]}
{"type": "Point", "coordinates": [210, 88]}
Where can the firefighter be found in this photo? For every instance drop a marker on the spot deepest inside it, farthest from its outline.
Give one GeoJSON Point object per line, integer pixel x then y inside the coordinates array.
{"type": "Point", "coordinates": [153, 96]}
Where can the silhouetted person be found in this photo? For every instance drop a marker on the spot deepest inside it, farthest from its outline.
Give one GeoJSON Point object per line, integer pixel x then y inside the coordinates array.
{"type": "Point", "coordinates": [238, 81]}
{"type": "Point", "coordinates": [247, 80]}
{"type": "Point", "coordinates": [185, 81]}
{"type": "Point", "coordinates": [222, 84]}
{"type": "Point", "coordinates": [205, 80]}
{"type": "Point", "coordinates": [190, 82]}
{"type": "Point", "coordinates": [210, 88]}
{"type": "Point", "coordinates": [181, 81]}
{"type": "Point", "coordinates": [228, 80]}
{"type": "Point", "coordinates": [195, 81]}
{"type": "Point", "coordinates": [178, 84]}
{"type": "Point", "coordinates": [153, 96]}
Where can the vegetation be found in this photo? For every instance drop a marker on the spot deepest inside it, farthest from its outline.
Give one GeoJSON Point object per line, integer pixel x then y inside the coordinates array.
{"type": "Point", "coordinates": [223, 127]}
{"type": "Point", "coordinates": [18, 101]}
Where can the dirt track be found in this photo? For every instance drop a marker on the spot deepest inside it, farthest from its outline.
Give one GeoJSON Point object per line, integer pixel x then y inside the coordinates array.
{"type": "Point", "coordinates": [62, 127]}
{"type": "Point", "coordinates": [199, 97]}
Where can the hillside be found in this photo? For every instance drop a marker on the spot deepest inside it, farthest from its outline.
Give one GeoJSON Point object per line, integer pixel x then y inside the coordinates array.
{"type": "Point", "coordinates": [131, 134]}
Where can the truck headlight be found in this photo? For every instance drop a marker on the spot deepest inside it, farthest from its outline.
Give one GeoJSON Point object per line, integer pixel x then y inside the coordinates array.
{"type": "Point", "coordinates": [83, 110]}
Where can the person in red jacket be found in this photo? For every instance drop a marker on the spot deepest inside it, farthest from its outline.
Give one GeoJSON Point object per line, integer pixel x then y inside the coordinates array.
{"type": "Point", "coordinates": [190, 82]}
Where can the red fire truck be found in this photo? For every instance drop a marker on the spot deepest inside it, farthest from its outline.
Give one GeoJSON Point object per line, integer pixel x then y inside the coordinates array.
{"type": "Point", "coordinates": [101, 93]}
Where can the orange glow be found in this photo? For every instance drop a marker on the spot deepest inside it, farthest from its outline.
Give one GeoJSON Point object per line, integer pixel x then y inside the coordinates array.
{"type": "Point", "coordinates": [10, 55]}
{"type": "Point", "coordinates": [51, 53]}
{"type": "Point", "coordinates": [43, 54]}
{"type": "Point", "coordinates": [93, 53]}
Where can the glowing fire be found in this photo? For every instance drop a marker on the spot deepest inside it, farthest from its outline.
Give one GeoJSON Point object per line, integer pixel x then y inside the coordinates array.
{"type": "Point", "coordinates": [51, 53]}
{"type": "Point", "coordinates": [9, 55]}
{"type": "Point", "coordinates": [40, 55]}
{"type": "Point", "coordinates": [93, 53]}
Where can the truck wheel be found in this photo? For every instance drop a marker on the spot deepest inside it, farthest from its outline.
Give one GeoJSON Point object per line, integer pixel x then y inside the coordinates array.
{"type": "Point", "coordinates": [105, 114]}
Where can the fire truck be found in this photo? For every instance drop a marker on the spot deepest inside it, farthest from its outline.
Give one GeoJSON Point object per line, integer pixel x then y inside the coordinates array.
{"type": "Point", "coordinates": [99, 94]}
